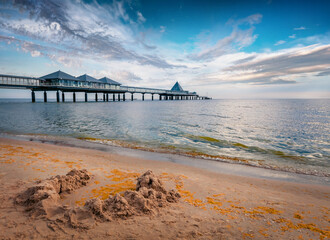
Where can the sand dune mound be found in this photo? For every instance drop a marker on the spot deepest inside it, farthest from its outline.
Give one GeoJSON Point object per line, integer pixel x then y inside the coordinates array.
{"type": "Point", "coordinates": [150, 195]}
{"type": "Point", "coordinates": [43, 200]}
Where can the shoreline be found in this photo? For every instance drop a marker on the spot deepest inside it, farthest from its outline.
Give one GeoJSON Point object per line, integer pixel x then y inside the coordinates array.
{"type": "Point", "coordinates": [212, 205]}
{"type": "Point", "coordinates": [235, 168]}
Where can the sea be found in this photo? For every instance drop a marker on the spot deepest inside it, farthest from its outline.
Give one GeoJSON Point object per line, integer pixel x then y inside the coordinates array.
{"type": "Point", "coordinates": [282, 135]}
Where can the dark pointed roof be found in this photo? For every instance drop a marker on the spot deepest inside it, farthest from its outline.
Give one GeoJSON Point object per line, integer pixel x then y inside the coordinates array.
{"type": "Point", "coordinates": [59, 75]}
{"type": "Point", "coordinates": [87, 78]}
{"type": "Point", "coordinates": [108, 80]}
{"type": "Point", "coordinates": [177, 87]}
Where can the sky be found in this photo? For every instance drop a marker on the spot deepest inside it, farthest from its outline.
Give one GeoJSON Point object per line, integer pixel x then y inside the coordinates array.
{"type": "Point", "coordinates": [222, 49]}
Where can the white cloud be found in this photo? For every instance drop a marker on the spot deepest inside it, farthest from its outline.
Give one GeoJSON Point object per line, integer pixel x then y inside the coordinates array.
{"type": "Point", "coordinates": [280, 67]}
{"type": "Point", "coordinates": [251, 20]}
{"type": "Point", "coordinates": [141, 19]}
{"type": "Point", "coordinates": [162, 29]}
{"type": "Point", "coordinates": [280, 42]}
{"type": "Point", "coordinates": [292, 36]}
{"type": "Point", "coordinates": [35, 53]}
{"type": "Point", "coordinates": [300, 28]}
{"type": "Point", "coordinates": [238, 39]}
{"type": "Point", "coordinates": [103, 32]}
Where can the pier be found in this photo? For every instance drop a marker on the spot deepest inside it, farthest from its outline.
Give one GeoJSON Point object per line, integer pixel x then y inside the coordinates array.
{"type": "Point", "coordinates": [65, 83]}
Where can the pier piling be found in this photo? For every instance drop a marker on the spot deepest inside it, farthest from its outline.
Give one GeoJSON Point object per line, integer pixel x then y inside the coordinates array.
{"type": "Point", "coordinates": [132, 96]}
{"type": "Point", "coordinates": [119, 97]}
{"type": "Point", "coordinates": [63, 97]}
{"type": "Point", "coordinates": [33, 96]}
{"type": "Point", "coordinates": [57, 96]}
{"type": "Point", "coordinates": [142, 96]}
{"type": "Point", "coordinates": [96, 97]}
{"type": "Point", "coordinates": [45, 96]}
{"type": "Point", "coordinates": [152, 97]}
{"type": "Point", "coordinates": [124, 99]}
{"type": "Point", "coordinates": [107, 97]}
{"type": "Point", "coordinates": [86, 97]}
{"type": "Point", "coordinates": [74, 97]}
{"type": "Point", "coordinates": [113, 97]}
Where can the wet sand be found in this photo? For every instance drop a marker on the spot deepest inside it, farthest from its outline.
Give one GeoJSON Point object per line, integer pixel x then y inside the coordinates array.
{"type": "Point", "coordinates": [212, 205]}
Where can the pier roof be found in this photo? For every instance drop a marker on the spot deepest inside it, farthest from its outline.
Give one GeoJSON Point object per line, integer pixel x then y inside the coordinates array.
{"type": "Point", "coordinates": [59, 75]}
{"type": "Point", "coordinates": [108, 80]}
{"type": "Point", "coordinates": [87, 78]}
{"type": "Point", "coordinates": [177, 87]}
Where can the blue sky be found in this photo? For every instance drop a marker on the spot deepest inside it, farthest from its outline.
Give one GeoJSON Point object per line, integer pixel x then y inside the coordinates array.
{"type": "Point", "coordinates": [225, 49]}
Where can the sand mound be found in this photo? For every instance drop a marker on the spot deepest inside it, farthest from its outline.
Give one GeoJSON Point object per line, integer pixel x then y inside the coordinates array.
{"type": "Point", "coordinates": [150, 195]}
{"type": "Point", "coordinates": [43, 200]}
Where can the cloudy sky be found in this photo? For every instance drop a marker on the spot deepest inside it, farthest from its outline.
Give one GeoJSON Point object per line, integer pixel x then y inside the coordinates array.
{"type": "Point", "coordinates": [223, 49]}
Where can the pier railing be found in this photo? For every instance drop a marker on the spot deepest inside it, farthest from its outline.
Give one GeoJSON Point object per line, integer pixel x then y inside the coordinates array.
{"type": "Point", "coordinates": [19, 81]}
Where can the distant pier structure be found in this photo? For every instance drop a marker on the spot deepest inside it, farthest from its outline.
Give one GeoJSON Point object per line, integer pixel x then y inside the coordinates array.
{"type": "Point", "coordinates": [62, 82]}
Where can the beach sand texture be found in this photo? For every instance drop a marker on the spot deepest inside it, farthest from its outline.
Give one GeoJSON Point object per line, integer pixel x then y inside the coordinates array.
{"type": "Point", "coordinates": [211, 206]}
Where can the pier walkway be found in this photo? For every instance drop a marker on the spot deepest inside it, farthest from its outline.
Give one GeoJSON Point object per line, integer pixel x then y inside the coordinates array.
{"type": "Point", "coordinates": [63, 82]}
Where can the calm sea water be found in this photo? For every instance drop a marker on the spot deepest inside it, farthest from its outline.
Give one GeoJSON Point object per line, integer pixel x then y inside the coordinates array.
{"type": "Point", "coordinates": [291, 135]}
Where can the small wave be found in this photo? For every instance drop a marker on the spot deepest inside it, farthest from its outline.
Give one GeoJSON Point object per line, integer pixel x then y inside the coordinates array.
{"type": "Point", "coordinates": [192, 152]}
{"type": "Point", "coordinates": [252, 149]}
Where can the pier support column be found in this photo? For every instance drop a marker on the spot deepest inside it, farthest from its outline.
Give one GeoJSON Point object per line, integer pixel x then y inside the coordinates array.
{"type": "Point", "coordinates": [86, 99]}
{"type": "Point", "coordinates": [63, 97]}
{"type": "Point", "coordinates": [107, 97]}
{"type": "Point", "coordinates": [124, 97]}
{"type": "Point", "coordinates": [96, 97]}
{"type": "Point", "coordinates": [45, 96]}
{"type": "Point", "coordinates": [142, 96]}
{"type": "Point", "coordinates": [160, 97]}
{"type": "Point", "coordinates": [132, 96]}
{"type": "Point", "coordinates": [113, 97]}
{"type": "Point", "coordinates": [33, 96]}
{"type": "Point", "coordinates": [103, 97]}
{"type": "Point", "coordinates": [57, 96]}
{"type": "Point", "coordinates": [119, 97]}
{"type": "Point", "coordinates": [74, 96]}
{"type": "Point", "coordinates": [152, 97]}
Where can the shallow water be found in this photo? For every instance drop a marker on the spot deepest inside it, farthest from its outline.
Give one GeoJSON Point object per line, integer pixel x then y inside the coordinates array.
{"type": "Point", "coordinates": [291, 135]}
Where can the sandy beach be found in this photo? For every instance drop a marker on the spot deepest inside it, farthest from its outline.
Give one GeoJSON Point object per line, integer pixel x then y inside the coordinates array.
{"type": "Point", "coordinates": [211, 206]}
